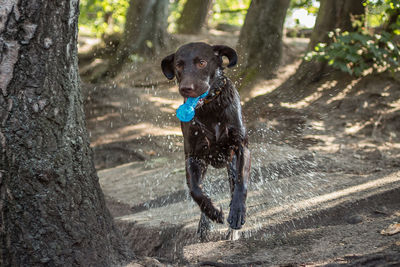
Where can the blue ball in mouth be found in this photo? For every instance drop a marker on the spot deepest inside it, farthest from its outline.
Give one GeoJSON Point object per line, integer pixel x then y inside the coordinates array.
{"type": "Point", "coordinates": [186, 111]}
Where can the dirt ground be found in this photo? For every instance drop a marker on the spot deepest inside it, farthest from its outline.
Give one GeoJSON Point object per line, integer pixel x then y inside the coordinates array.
{"type": "Point", "coordinates": [344, 129]}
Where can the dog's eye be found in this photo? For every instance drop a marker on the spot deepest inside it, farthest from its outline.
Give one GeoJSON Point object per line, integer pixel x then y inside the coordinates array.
{"type": "Point", "coordinates": [179, 66]}
{"type": "Point", "coordinates": [201, 64]}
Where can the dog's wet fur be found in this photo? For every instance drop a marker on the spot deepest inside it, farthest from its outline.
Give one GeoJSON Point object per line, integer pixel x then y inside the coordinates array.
{"type": "Point", "coordinates": [216, 135]}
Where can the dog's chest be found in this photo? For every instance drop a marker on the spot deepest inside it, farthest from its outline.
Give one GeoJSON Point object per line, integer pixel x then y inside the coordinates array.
{"type": "Point", "coordinates": [203, 138]}
{"type": "Point", "coordinates": [215, 133]}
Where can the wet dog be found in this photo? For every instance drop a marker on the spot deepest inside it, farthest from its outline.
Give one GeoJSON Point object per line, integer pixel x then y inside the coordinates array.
{"type": "Point", "coordinates": [216, 135]}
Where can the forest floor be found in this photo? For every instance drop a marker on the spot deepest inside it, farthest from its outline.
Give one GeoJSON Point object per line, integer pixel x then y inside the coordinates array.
{"type": "Point", "coordinates": [325, 168]}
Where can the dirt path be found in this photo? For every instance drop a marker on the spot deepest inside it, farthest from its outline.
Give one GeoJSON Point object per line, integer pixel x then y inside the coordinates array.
{"type": "Point", "coordinates": [325, 177]}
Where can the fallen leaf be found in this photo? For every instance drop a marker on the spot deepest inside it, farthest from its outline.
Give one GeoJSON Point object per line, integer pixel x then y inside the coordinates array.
{"type": "Point", "coordinates": [391, 229]}
{"type": "Point", "coordinates": [151, 153]}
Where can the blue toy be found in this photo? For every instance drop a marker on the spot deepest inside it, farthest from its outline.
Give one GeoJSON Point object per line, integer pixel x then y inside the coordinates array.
{"type": "Point", "coordinates": [185, 112]}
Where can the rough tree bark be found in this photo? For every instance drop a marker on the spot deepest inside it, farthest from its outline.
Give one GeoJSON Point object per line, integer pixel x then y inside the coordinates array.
{"type": "Point", "coordinates": [260, 40]}
{"type": "Point", "coordinates": [52, 210]}
{"type": "Point", "coordinates": [194, 16]}
{"type": "Point", "coordinates": [145, 31]}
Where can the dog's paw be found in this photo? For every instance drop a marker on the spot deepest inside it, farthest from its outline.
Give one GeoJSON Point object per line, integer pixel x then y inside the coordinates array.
{"type": "Point", "coordinates": [219, 216]}
{"type": "Point", "coordinates": [237, 215]}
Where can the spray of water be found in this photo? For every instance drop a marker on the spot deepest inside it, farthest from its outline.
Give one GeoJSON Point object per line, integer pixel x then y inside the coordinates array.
{"type": "Point", "coordinates": [283, 180]}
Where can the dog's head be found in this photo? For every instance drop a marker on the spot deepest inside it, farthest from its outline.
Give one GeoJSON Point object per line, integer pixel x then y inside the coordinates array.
{"type": "Point", "coordinates": [195, 65]}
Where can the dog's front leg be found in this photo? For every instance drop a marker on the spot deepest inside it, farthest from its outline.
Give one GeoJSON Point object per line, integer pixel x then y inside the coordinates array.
{"type": "Point", "coordinates": [239, 171]}
{"type": "Point", "coordinates": [195, 169]}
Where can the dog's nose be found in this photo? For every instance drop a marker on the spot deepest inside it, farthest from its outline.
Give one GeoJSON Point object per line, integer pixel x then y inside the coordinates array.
{"type": "Point", "coordinates": [187, 88]}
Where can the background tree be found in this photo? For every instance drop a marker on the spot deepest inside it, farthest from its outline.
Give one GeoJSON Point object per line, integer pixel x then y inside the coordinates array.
{"type": "Point", "coordinates": [260, 41]}
{"type": "Point", "coordinates": [393, 21]}
{"type": "Point", "coordinates": [194, 16]}
{"type": "Point", "coordinates": [102, 17]}
{"type": "Point", "coordinates": [52, 210]}
{"type": "Point", "coordinates": [359, 49]}
{"type": "Point", "coordinates": [145, 31]}
{"type": "Point", "coordinates": [335, 14]}
{"type": "Point", "coordinates": [332, 14]}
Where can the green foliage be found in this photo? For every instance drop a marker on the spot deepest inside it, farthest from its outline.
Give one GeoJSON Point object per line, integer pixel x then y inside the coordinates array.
{"type": "Point", "coordinates": [230, 11]}
{"type": "Point", "coordinates": [98, 17]}
{"type": "Point", "coordinates": [380, 11]}
{"type": "Point", "coordinates": [376, 12]}
{"type": "Point", "coordinates": [175, 10]}
{"type": "Point", "coordinates": [223, 11]}
{"type": "Point", "coordinates": [310, 5]}
{"type": "Point", "coordinates": [355, 52]}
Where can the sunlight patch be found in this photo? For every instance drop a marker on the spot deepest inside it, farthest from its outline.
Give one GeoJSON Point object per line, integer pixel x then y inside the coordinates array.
{"type": "Point", "coordinates": [346, 90]}
{"type": "Point", "coordinates": [311, 98]}
{"type": "Point", "coordinates": [136, 131]}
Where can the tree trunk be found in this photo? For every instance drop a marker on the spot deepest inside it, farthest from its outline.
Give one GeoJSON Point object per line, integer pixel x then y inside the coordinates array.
{"type": "Point", "coordinates": [334, 14]}
{"type": "Point", "coordinates": [145, 31]}
{"type": "Point", "coordinates": [52, 210]}
{"type": "Point", "coordinates": [194, 16]}
{"type": "Point", "coordinates": [146, 26]}
{"type": "Point", "coordinates": [260, 41]}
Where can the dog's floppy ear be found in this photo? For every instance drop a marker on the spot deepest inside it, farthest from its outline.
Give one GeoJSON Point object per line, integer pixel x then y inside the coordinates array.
{"type": "Point", "coordinates": [230, 53]}
{"type": "Point", "coordinates": [168, 67]}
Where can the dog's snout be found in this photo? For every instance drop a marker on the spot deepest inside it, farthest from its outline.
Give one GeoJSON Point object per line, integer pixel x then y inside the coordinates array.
{"type": "Point", "coordinates": [187, 89]}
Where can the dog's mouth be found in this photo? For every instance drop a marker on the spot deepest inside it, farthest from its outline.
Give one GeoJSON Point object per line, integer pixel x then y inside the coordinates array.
{"type": "Point", "coordinates": [192, 94]}
{"type": "Point", "coordinates": [190, 89]}
{"type": "Point", "coordinates": [186, 95]}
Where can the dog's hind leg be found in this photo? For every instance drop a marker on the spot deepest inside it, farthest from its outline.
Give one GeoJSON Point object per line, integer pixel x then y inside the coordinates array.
{"type": "Point", "coordinates": [239, 171]}
{"type": "Point", "coordinates": [232, 234]}
{"type": "Point", "coordinates": [195, 170]}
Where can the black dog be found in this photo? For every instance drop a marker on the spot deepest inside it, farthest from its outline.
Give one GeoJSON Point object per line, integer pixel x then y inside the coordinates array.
{"type": "Point", "coordinates": [216, 135]}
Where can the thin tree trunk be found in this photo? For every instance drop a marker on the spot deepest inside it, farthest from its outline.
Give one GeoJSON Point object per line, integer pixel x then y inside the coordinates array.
{"type": "Point", "coordinates": [52, 210]}
{"type": "Point", "coordinates": [194, 16]}
{"type": "Point", "coordinates": [146, 26]}
{"type": "Point", "coordinates": [145, 32]}
{"type": "Point", "coordinates": [260, 41]}
{"type": "Point", "coordinates": [334, 14]}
